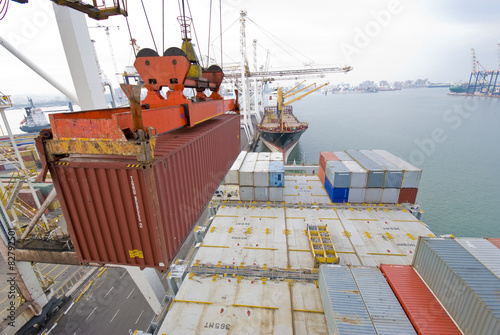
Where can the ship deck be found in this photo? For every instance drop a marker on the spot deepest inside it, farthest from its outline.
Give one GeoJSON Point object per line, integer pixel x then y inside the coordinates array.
{"type": "Point", "coordinates": [271, 122]}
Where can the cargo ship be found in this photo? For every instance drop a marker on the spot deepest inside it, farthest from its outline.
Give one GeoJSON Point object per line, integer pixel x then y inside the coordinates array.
{"type": "Point", "coordinates": [34, 120]}
{"type": "Point", "coordinates": [279, 129]}
{"type": "Point", "coordinates": [461, 88]}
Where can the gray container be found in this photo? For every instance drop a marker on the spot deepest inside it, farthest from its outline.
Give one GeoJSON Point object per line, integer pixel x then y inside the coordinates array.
{"type": "Point", "coordinates": [466, 288]}
{"type": "Point", "coordinates": [233, 175]}
{"type": "Point", "coordinates": [356, 195]}
{"type": "Point", "coordinates": [338, 174]}
{"type": "Point", "coordinates": [359, 174]}
{"type": "Point", "coordinates": [373, 195]}
{"type": "Point", "coordinates": [393, 174]}
{"type": "Point", "coordinates": [247, 169]}
{"type": "Point", "coordinates": [264, 156]}
{"type": "Point", "coordinates": [484, 251]}
{"type": "Point", "coordinates": [358, 300]}
{"type": "Point", "coordinates": [343, 156]}
{"type": "Point", "coordinates": [261, 174]}
{"type": "Point", "coordinates": [276, 194]}
{"type": "Point", "coordinates": [384, 309]}
{"type": "Point", "coordinates": [411, 174]}
{"type": "Point", "coordinates": [390, 196]}
{"type": "Point", "coordinates": [376, 173]}
{"type": "Point", "coordinates": [261, 193]}
{"type": "Point", "coordinates": [345, 311]}
{"type": "Point", "coordinates": [246, 193]}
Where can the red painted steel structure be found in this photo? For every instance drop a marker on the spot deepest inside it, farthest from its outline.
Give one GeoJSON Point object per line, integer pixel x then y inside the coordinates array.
{"type": "Point", "coordinates": [424, 311]}
{"type": "Point", "coordinates": [120, 211]}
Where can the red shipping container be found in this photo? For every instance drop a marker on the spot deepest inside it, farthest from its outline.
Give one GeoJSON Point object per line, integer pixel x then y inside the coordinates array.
{"type": "Point", "coordinates": [321, 174]}
{"type": "Point", "coordinates": [424, 311]}
{"type": "Point", "coordinates": [495, 241]}
{"type": "Point", "coordinates": [407, 195]}
{"type": "Point", "coordinates": [325, 156]}
{"type": "Point", "coordinates": [119, 211]}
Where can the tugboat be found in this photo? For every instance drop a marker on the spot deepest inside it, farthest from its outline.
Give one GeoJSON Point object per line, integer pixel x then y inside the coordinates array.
{"type": "Point", "coordinates": [279, 128]}
{"type": "Point", "coordinates": [34, 120]}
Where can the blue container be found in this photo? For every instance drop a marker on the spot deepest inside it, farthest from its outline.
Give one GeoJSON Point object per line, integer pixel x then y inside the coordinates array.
{"type": "Point", "coordinates": [338, 173]}
{"type": "Point", "coordinates": [340, 194]}
{"type": "Point", "coordinates": [276, 174]}
{"type": "Point", "coordinates": [328, 188]}
{"type": "Point", "coordinates": [376, 173]}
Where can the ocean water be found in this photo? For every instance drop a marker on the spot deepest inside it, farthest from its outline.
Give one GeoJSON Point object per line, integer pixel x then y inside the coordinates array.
{"type": "Point", "coordinates": [455, 140]}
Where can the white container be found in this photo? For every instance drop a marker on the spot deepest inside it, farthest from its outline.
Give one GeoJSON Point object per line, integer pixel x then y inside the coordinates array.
{"type": "Point", "coordinates": [373, 195]}
{"type": "Point", "coordinates": [232, 192]}
{"type": "Point", "coordinates": [261, 174]}
{"type": "Point", "coordinates": [276, 156]}
{"type": "Point", "coordinates": [390, 195]}
{"type": "Point", "coordinates": [233, 176]}
{"type": "Point", "coordinates": [411, 174]}
{"type": "Point", "coordinates": [359, 175]}
{"type": "Point", "coordinates": [261, 193]}
{"type": "Point", "coordinates": [247, 169]}
{"type": "Point", "coordinates": [246, 193]}
{"type": "Point", "coordinates": [356, 195]}
{"type": "Point", "coordinates": [276, 194]}
{"type": "Point", "coordinates": [264, 156]}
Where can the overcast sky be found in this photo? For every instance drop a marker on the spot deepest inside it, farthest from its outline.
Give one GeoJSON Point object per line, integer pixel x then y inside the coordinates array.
{"type": "Point", "coordinates": [389, 39]}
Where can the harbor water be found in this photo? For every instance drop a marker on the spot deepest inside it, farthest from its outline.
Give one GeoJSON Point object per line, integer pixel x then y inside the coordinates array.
{"type": "Point", "coordinates": [454, 139]}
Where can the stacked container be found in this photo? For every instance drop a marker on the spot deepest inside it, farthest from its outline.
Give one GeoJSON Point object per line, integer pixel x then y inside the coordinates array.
{"type": "Point", "coordinates": [464, 275]}
{"type": "Point", "coordinates": [233, 175]}
{"type": "Point", "coordinates": [358, 300]}
{"type": "Point", "coordinates": [324, 157]}
{"type": "Point", "coordinates": [358, 176]}
{"type": "Point", "coordinates": [262, 177]}
{"type": "Point", "coordinates": [411, 176]}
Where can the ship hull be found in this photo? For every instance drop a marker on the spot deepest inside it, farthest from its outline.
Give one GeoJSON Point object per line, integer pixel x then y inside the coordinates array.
{"type": "Point", "coordinates": [34, 129]}
{"type": "Point", "coordinates": [281, 142]}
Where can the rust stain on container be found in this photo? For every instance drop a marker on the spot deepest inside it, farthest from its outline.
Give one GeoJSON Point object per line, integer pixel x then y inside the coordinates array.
{"type": "Point", "coordinates": [121, 212]}
{"type": "Point", "coordinates": [424, 311]}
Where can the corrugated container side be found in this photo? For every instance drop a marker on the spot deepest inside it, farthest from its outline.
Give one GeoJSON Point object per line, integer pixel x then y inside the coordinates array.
{"type": "Point", "coordinates": [383, 307]}
{"type": "Point", "coordinates": [321, 175]}
{"type": "Point", "coordinates": [359, 174]}
{"type": "Point", "coordinates": [424, 311]}
{"type": "Point", "coordinates": [247, 169]}
{"type": "Point", "coordinates": [261, 193]}
{"type": "Point", "coordinates": [376, 174]}
{"type": "Point", "coordinates": [461, 282]}
{"type": "Point", "coordinates": [261, 174]}
{"type": "Point", "coordinates": [233, 175]}
{"type": "Point", "coordinates": [407, 195]}
{"type": "Point", "coordinates": [345, 310]}
{"type": "Point", "coordinates": [325, 156]}
{"type": "Point", "coordinates": [483, 250]}
{"type": "Point", "coordinates": [338, 174]}
{"type": "Point", "coordinates": [246, 193]}
{"type": "Point", "coordinates": [373, 195]}
{"type": "Point", "coordinates": [356, 195]}
{"type": "Point", "coordinates": [341, 155]}
{"type": "Point", "coordinates": [411, 174]}
{"type": "Point", "coordinates": [276, 194]}
{"type": "Point", "coordinates": [122, 212]}
{"type": "Point", "coordinates": [393, 174]}
{"type": "Point", "coordinates": [494, 241]}
{"type": "Point", "coordinates": [340, 194]}
{"type": "Point", "coordinates": [390, 195]}
{"type": "Point", "coordinates": [277, 174]}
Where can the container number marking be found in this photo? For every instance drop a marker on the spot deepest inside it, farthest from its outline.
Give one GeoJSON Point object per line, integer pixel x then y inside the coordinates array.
{"type": "Point", "coordinates": [214, 325]}
{"type": "Point", "coordinates": [136, 202]}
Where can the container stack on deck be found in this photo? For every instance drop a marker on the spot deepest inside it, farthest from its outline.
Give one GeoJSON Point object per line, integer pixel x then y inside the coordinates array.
{"type": "Point", "coordinates": [256, 177]}
{"type": "Point", "coordinates": [368, 176]}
